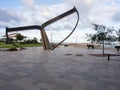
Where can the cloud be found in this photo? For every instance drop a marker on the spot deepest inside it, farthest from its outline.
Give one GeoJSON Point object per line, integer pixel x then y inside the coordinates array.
{"type": "Point", "coordinates": [95, 11]}
{"type": "Point", "coordinates": [102, 15]}
{"type": "Point", "coordinates": [7, 16]}
{"type": "Point", "coordinates": [85, 8]}
{"type": "Point", "coordinates": [30, 4]}
{"type": "Point", "coordinates": [91, 11]}
{"type": "Point", "coordinates": [116, 17]}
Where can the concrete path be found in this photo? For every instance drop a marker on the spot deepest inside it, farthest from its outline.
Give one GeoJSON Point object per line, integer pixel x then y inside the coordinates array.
{"type": "Point", "coordinates": [65, 68]}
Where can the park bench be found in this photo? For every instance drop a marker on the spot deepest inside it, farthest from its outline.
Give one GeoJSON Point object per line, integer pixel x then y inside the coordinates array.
{"type": "Point", "coordinates": [117, 47]}
{"type": "Point", "coordinates": [112, 55]}
{"type": "Point", "coordinates": [66, 45]}
{"type": "Point", "coordinates": [90, 46]}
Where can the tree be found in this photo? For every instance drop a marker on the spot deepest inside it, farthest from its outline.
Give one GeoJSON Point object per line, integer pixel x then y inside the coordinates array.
{"type": "Point", "coordinates": [35, 40]}
{"type": "Point", "coordinates": [20, 37]}
{"type": "Point", "coordinates": [111, 38]}
{"type": "Point", "coordinates": [41, 40]}
{"type": "Point", "coordinates": [118, 35]}
{"type": "Point", "coordinates": [91, 37]}
{"type": "Point", "coordinates": [103, 33]}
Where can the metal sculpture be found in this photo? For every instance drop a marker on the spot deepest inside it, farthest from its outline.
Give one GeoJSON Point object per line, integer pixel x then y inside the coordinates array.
{"type": "Point", "coordinates": [46, 43]}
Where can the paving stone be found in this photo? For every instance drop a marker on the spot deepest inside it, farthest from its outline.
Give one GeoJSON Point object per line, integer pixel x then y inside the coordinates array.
{"type": "Point", "coordinates": [11, 78]}
{"type": "Point", "coordinates": [45, 86]}
{"type": "Point", "coordinates": [36, 69]}
{"type": "Point", "coordinates": [21, 74]}
{"type": "Point", "coordinates": [102, 84]}
{"type": "Point", "coordinates": [3, 82]}
{"type": "Point", "coordinates": [10, 87]}
{"type": "Point", "coordinates": [4, 72]}
{"type": "Point", "coordinates": [84, 85]}
{"type": "Point", "coordinates": [113, 88]}
{"type": "Point", "coordinates": [25, 83]}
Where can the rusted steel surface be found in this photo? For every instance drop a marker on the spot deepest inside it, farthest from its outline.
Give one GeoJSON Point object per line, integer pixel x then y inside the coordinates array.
{"type": "Point", "coordinates": [46, 44]}
{"type": "Point", "coordinates": [59, 17]}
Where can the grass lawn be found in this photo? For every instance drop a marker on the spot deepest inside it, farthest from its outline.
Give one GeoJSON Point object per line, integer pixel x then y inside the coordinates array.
{"type": "Point", "coordinates": [4, 45]}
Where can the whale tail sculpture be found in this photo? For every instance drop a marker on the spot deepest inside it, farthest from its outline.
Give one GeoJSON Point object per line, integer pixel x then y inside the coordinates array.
{"type": "Point", "coordinates": [46, 43]}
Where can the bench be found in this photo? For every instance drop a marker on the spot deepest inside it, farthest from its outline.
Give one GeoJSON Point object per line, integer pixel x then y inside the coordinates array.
{"type": "Point", "coordinates": [92, 46]}
{"type": "Point", "coordinates": [112, 55]}
{"type": "Point", "coordinates": [66, 45]}
{"type": "Point", "coordinates": [117, 47]}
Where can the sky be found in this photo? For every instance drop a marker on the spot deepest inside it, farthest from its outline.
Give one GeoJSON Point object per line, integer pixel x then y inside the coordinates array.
{"type": "Point", "coordinates": [14, 13]}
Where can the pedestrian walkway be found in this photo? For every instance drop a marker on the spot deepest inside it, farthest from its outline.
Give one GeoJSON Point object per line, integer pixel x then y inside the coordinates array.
{"type": "Point", "coordinates": [62, 69]}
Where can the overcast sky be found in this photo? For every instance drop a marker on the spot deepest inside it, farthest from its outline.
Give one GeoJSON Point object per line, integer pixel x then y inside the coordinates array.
{"type": "Point", "coordinates": [35, 12]}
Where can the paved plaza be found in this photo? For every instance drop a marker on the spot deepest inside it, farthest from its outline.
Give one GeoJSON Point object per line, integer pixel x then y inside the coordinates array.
{"type": "Point", "coordinates": [65, 68]}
